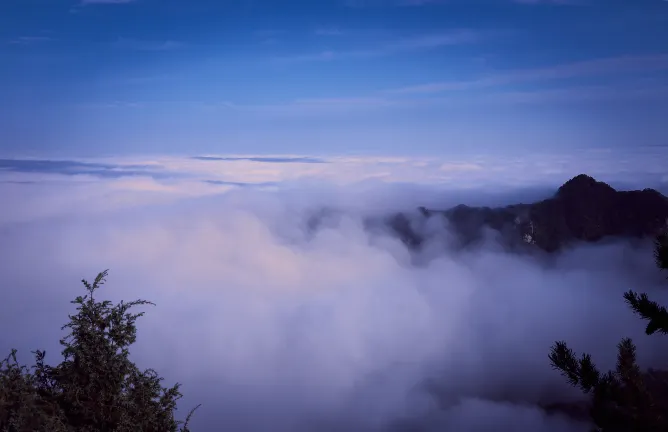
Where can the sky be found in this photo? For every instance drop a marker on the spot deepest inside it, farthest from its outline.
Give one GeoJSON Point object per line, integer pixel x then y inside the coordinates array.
{"type": "Point", "coordinates": [187, 145]}
{"type": "Point", "coordinates": [420, 78]}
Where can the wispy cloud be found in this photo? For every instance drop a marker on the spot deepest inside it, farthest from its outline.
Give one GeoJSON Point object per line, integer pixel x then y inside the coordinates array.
{"type": "Point", "coordinates": [143, 45]}
{"type": "Point", "coordinates": [589, 68]}
{"type": "Point", "coordinates": [239, 184]}
{"type": "Point", "coordinates": [262, 159]}
{"type": "Point", "coordinates": [111, 104]}
{"type": "Point", "coordinates": [29, 40]}
{"type": "Point", "coordinates": [376, 3]}
{"type": "Point", "coordinates": [329, 31]}
{"type": "Point", "coordinates": [265, 33]}
{"type": "Point", "coordinates": [578, 94]}
{"type": "Point", "coordinates": [419, 2]}
{"type": "Point", "coordinates": [181, 173]}
{"type": "Point", "coordinates": [94, 2]}
{"type": "Point", "coordinates": [643, 90]}
{"type": "Point", "coordinates": [551, 2]}
{"type": "Point", "coordinates": [408, 3]}
{"type": "Point", "coordinates": [317, 106]}
{"type": "Point", "coordinates": [268, 36]}
{"type": "Point", "coordinates": [295, 107]}
{"type": "Point", "coordinates": [79, 168]}
{"type": "Point", "coordinates": [433, 41]}
{"type": "Point", "coordinates": [563, 95]}
{"type": "Point", "coordinates": [403, 45]}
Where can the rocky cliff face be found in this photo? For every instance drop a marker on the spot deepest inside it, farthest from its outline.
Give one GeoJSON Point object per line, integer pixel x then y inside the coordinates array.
{"type": "Point", "coordinates": [582, 209]}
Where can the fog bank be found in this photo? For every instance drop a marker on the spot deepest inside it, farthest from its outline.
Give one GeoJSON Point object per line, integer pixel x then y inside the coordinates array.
{"type": "Point", "coordinates": [275, 327]}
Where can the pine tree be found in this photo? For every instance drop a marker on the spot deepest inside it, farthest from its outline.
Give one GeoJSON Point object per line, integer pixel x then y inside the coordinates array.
{"type": "Point", "coordinates": [96, 387]}
{"type": "Point", "coordinates": [625, 399]}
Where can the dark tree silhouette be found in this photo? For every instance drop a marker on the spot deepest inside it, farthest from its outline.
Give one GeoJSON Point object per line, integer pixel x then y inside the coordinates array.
{"type": "Point", "coordinates": [625, 399]}
{"type": "Point", "coordinates": [96, 387]}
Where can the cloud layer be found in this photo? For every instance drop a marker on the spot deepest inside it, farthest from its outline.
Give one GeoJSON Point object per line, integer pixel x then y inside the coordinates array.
{"type": "Point", "coordinates": [272, 325]}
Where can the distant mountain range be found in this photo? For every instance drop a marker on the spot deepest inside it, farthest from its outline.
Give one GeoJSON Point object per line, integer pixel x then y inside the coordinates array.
{"type": "Point", "coordinates": [583, 209]}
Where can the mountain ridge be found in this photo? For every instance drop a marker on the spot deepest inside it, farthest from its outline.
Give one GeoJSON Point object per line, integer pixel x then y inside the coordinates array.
{"type": "Point", "coordinates": [582, 209]}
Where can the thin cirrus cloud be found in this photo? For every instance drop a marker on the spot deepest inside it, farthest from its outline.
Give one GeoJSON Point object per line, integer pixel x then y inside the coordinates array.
{"type": "Point", "coordinates": [641, 91]}
{"type": "Point", "coordinates": [30, 40]}
{"type": "Point", "coordinates": [346, 106]}
{"type": "Point", "coordinates": [551, 2]}
{"type": "Point", "coordinates": [588, 68]}
{"type": "Point", "coordinates": [262, 159]}
{"type": "Point", "coordinates": [396, 97]}
{"type": "Point", "coordinates": [146, 45]}
{"type": "Point", "coordinates": [582, 94]}
{"type": "Point", "coordinates": [393, 99]}
{"type": "Point", "coordinates": [317, 106]}
{"type": "Point", "coordinates": [378, 3]}
{"type": "Point", "coordinates": [94, 2]}
{"type": "Point", "coordinates": [329, 31]}
{"type": "Point", "coordinates": [404, 45]}
{"type": "Point", "coordinates": [368, 3]}
{"type": "Point", "coordinates": [79, 168]}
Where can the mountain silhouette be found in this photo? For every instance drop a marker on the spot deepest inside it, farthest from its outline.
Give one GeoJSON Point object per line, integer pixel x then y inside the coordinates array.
{"type": "Point", "coordinates": [583, 209]}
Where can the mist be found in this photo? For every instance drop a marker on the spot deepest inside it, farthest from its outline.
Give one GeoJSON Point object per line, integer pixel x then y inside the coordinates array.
{"type": "Point", "coordinates": [272, 324]}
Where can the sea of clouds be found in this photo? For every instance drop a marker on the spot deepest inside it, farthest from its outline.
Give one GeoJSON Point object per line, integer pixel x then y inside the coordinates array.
{"type": "Point", "coordinates": [275, 326]}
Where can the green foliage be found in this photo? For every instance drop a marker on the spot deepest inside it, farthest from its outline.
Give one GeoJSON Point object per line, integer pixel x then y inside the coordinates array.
{"type": "Point", "coordinates": [626, 399]}
{"type": "Point", "coordinates": [96, 387]}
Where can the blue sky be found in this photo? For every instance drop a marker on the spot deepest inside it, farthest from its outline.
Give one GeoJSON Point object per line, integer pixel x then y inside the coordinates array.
{"type": "Point", "coordinates": [391, 77]}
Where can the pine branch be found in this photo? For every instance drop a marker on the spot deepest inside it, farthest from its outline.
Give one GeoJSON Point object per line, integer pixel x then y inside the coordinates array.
{"type": "Point", "coordinates": [582, 373]}
{"type": "Point", "coordinates": [661, 250]}
{"type": "Point", "coordinates": [625, 399]}
{"type": "Point", "coordinates": [627, 368]}
{"type": "Point", "coordinates": [651, 311]}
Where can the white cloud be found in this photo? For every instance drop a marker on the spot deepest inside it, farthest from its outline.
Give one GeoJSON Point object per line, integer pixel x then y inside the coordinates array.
{"type": "Point", "coordinates": [143, 45]}
{"type": "Point", "coordinates": [613, 66]}
{"type": "Point", "coordinates": [578, 94]}
{"type": "Point", "coordinates": [329, 31]}
{"type": "Point", "coordinates": [271, 326]}
{"type": "Point", "coordinates": [370, 3]}
{"type": "Point", "coordinates": [552, 2]}
{"type": "Point", "coordinates": [93, 2]}
{"type": "Point", "coordinates": [30, 40]}
{"type": "Point", "coordinates": [459, 167]}
{"type": "Point", "coordinates": [376, 3]}
{"type": "Point", "coordinates": [397, 46]}
{"type": "Point", "coordinates": [129, 180]}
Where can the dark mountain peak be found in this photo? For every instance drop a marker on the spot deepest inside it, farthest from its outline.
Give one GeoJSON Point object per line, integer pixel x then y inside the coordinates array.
{"type": "Point", "coordinates": [655, 194]}
{"type": "Point", "coordinates": [583, 209]}
{"type": "Point", "coordinates": [583, 184]}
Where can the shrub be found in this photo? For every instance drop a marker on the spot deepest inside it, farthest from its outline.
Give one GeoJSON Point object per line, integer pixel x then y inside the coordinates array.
{"type": "Point", "coordinates": [96, 387]}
